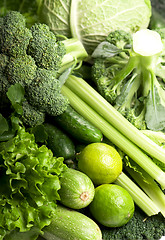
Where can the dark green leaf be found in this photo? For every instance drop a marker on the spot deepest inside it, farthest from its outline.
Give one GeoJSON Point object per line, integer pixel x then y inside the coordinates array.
{"type": "Point", "coordinates": [106, 50]}
{"type": "Point", "coordinates": [3, 125]}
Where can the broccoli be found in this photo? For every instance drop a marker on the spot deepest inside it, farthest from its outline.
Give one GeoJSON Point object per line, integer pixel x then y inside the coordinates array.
{"type": "Point", "coordinates": [35, 58]}
{"type": "Point", "coordinates": [45, 41]}
{"type": "Point", "coordinates": [31, 116]}
{"type": "Point", "coordinates": [140, 227]}
{"type": "Point", "coordinates": [45, 84]}
{"type": "Point", "coordinates": [106, 66]}
{"type": "Point", "coordinates": [132, 79]}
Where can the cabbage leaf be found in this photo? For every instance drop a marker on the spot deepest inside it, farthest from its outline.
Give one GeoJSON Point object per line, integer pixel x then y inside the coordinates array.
{"type": "Point", "coordinates": [91, 21]}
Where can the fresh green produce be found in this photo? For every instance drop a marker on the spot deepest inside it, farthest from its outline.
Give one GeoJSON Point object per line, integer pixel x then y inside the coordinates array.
{"type": "Point", "coordinates": [101, 162]}
{"type": "Point", "coordinates": [78, 127]}
{"type": "Point", "coordinates": [112, 205]}
{"type": "Point", "coordinates": [77, 190]}
{"type": "Point", "coordinates": [90, 104]}
{"type": "Point", "coordinates": [134, 82]}
{"type": "Point", "coordinates": [35, 58]}
{"type": "Point", "coordinates": [60, 144]}
{"type": "Point", "coordinates": [69, 224]}
{"type": "Point", "coordinates": [29, 184]}
{"type": "Point", "coordinates": [139, 227]}
{"type": "Point", "coordinates": [91, 21]}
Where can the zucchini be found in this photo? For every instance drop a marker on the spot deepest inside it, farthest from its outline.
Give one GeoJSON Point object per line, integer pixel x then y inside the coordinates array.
{"type": "Point", "coordinates": [70, 224]}
{"type": "Point", "coordinates": [59, 142]}
{"type": "Point", "coordinates": [77, 189]}
{"type": "Point", "coordinates": [78, 127]}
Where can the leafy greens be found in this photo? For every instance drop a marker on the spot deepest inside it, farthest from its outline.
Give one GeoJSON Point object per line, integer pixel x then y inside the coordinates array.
{"type": "Point", "coordinates": [91, 21]}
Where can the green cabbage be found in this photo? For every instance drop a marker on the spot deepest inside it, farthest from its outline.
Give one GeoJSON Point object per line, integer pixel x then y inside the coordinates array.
{"type": "Point", "coordinates": [91, 21]}
{"type": "Point", "coordinates": [29, 184]}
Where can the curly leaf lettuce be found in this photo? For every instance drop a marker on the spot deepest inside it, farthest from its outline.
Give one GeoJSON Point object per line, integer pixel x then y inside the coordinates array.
{"type": "Point", "coordinates": [29, 184]}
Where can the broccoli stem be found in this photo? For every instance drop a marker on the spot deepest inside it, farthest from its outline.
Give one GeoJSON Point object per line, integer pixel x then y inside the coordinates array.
{"type": "Point", "coordinates": [74, 52]}
{"type": "Point", "coordinates": [139, 197]}
{"type": "Point", "coordinates": [111, 115]}
{"type": "Point", "coordinates": [113, 134]}
{"type": "Point", "coordinates": [149, 186]}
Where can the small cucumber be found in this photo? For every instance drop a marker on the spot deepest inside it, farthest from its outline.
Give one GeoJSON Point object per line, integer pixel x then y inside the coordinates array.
{"type": "Point", "coordinates": [77, 189]}
{"type": "Point", "coordinates": [78, 127]}
{"type": "Point", "coordinates": [60, 144]}
{"type": "Point", "coordinates": [70, 224]}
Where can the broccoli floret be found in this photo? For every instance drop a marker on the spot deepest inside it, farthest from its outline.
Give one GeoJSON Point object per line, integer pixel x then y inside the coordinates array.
{"type": "Point", "coordinates": [44, 47]}
{"type": "Point", "coordinates": [31, 116]}
{"type": "Point", "coordinates": [45, 93]}
{"type": "Point", "coordinates": [104, 69]}
{"type": "Point", "coordinates": [14, 37]}
{"type": "Point", "coordinates": [21, 70]}
{"type": "Point", "coordinates": [35, 59]}
{"type": "Point", "coordinates": [138, 79]}
{"type": "Point", "coordinates": [120, 39]}
{"type": "Point", "coordinates": [140, 227]}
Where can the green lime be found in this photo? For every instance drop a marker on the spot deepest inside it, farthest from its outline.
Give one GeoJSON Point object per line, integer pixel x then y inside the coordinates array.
{"type": "Point", "coordinates": [101, 162]}
{"type": "Point", "coordinates": [112, 205]}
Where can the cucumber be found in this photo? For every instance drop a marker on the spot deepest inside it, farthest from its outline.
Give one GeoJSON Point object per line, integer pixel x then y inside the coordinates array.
{"type": "Point", "coordinates": [60, 144]}
{"type": "Point", "coordinates": [77, 189]}
{"type": "Point", "coordinates": [78, 127]}
{"type": "Point", "coordinates": [70, 224]}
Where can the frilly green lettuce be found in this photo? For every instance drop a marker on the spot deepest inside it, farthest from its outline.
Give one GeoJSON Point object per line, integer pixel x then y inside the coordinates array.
{"type": "Point", "coordinates": [29, 184]}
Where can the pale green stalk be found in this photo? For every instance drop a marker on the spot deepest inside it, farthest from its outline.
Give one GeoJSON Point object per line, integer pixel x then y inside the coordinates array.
{"type": "Point", "coordinates": [111, 115]}
{"type": "Point", "coordinates": [139, 197]}
{"type": "Point", "coordinates": [149, 186]}
{"type": "Point", "coordinates": [115, 136]}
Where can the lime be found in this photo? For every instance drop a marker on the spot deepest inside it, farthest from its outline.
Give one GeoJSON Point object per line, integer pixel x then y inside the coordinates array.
{"type": "Point", "coordinates": [101, 162]}
{"type": "Point", "coordinates": [112, 205]}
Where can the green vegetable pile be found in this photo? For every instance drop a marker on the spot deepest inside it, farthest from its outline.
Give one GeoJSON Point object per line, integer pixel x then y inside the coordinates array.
{"type": "Point", "coordinates": [70, 74]}
{"type": "Point", "coordinates": [34, 58]}
{"type": "Point", "coordinates": [30, 183]}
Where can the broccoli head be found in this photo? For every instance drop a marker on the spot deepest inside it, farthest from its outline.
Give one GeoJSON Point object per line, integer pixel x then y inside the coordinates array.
{"type": "Point", "coordinates": [139, 77]}
{"type": "Point", "coordinates": [44, 93]}
{"type": "Point", "coordinates": [35, 59]}
{"type": "Point", "coordinates": [14, 36]}
{"type": "Point", "coordinates": [21, 70]}
{"type": "Point", "coordinates": [120, 39]}
{"type": "Point", "coordinates": [44, 47]}
{"type": "Point", "coordinates": [31, 116]}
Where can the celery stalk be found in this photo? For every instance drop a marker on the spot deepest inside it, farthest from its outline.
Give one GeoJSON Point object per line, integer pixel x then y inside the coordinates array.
{"type": "Point", "coordinates": [149, 186]}
{"type": "Point", "coordinates": [115, 136]}
{"type": "Point", "coordinates": [110, 114]}
{"type": "Point", "coordinates": [139, 197]}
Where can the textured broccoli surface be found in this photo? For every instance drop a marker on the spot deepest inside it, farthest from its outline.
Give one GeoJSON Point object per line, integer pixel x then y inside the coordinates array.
{"type": "Point", "coordinates": [44, 93]}
{"type": "Point", "coordinates": [44, 48]}
{"type": "Point", "coordinates": [140, 227]}
{"type": "Point", "coordinates": [31, 116]}
{"type": "Point", "coordinates": [32, 57]}
{"type": "Point", "coordinates": [131, 78]}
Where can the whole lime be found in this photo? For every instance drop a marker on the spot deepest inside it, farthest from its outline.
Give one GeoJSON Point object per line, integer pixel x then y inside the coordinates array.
{"type": "Point", "coordinates": [101, 162]}
{"type": "Point", "coordinates": [112, 205]}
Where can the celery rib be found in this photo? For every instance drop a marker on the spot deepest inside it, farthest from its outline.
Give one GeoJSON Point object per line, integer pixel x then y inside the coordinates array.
{"type": "Point", "coordinates": [107, 111]}
{"type": "Point", "coordinates": [115, 136]}
{"type": "Point", "coordinates": [139, 197]}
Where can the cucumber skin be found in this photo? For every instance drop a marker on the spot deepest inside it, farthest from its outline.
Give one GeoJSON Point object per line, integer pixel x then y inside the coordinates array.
{"type": "Point", "coordinates": [73, 184]}
{"type": "Point", "coordinates": [78, 127]}
{"type": "Point", "coordinates": [59, 142]}
{"type": "Point", "coordinates": [70, 224]}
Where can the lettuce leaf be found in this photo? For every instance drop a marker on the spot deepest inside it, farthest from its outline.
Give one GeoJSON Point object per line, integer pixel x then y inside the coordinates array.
{"type": "Point", "coordinates": [29, 184]}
